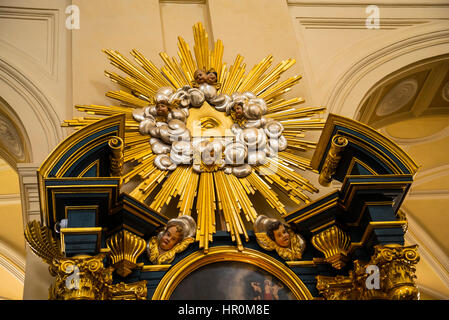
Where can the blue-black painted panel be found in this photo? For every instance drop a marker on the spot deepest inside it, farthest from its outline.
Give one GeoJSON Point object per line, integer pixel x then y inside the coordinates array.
{"type": "Point", "coordinates": [390, 155]}
{"type": "Point", "coordinates": [100, 152]}
{"type": "Point", "coordinates": [92, 172]}
{"type": "Point", "coordinates": [79, 218]}
{"type": "Point", "coordinates": [111, 130]}
{"type": "Point", "coordinates": [80, 244]}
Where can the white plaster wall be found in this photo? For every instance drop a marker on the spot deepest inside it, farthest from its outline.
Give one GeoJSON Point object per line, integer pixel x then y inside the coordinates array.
{"type": "Point", "coordinates": [343, 59]}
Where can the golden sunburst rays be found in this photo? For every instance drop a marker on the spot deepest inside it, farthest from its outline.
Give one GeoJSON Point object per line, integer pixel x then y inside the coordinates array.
{"type": "Point", "coordinates": [210, 194]}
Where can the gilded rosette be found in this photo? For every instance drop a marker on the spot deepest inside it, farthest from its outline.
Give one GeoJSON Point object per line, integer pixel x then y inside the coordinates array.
{"type": "Point", "coordinates": [334, 243]}
{"type": "Point", "coordinates": [125, 249]}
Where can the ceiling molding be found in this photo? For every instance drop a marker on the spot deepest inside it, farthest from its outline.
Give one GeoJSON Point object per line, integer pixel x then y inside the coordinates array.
{"type": "Point", "coordinates": [428, 194]}
{"type": "Point", "coordinates": [37, 102]}
{"type": "Point", "coordinates": [354, 23]}
{"type": "Point", "coordinates": [364, 3]}
{"type": "Point", "coordinates": [430, 88]}
{"type": "Point", "coordinates": [8, 199]}
{"type": "Point", "coordinates": [50, 17]}
{"type": "Point", "coordinates": [423, 40]}
{"type": "Point", "coordinates": [12, 262]}
{"type": "Point", "coordinates": [432, 293]}
{"type": "Point", "coordinates": [430, 174]}
{"type": "Point", "coordinates": [403, 142]}
{"type": "Point", "coordinates": [183, 1]}
{"type": "Point", "coordinates": [428, 249]}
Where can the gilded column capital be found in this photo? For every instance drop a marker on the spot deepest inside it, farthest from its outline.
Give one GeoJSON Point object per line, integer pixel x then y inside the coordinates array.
{"type": "Point", "coordinates": [80, 278]}
{"type": "Point", "coordinates": [390, 274]}
{"type": "Point", "coordinates": [86, 277]}
{"type": "Point", "coordinates": [397, 270]}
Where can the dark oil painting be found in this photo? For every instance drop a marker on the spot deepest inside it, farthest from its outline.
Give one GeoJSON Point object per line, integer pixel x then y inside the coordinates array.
{"type": "Point", "coordinates": [231, 280]}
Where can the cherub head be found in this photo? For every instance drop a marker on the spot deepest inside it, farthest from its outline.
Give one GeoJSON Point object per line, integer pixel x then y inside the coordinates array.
{"type": "Point", "coordinates": [237, 108]}
{"type": "Point", "coordinates": [163, 108]}
{"type": "Point", "coordinates": [175, 231]}
{"type": "Point", "coordinates": [212, 77]}
{"type": "Point", "coordinates": [163, 103]}
{"type": "Point", "coordinates": [200, 76]}
{"type": "Point", "coordinates": [170, 237]}
{"type": "Point", "coordinates": [277, 232]}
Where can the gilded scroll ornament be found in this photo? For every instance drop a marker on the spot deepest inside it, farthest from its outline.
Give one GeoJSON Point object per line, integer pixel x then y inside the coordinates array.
{"type": "Point", "coordinates": [272, 234]}
{"type": "Point", "coordinates": [129, 291]}
{"type": "Point", "coordinates": [177, 235]}
{"type": "Point", "coordinates": [333, 157]}
{"type": "Point", "coordinates": [125, 249]}
{"type": "Point", "coordinates": [337, 288]}
{"type": "Point", "coordinates": [334, 243]}
{"type": "Point", "coordinates": [117, 146]}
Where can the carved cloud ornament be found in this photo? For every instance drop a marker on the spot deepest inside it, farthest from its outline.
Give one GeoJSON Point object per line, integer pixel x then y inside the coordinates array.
{"type": "Point", "coordinates": [248, 142]}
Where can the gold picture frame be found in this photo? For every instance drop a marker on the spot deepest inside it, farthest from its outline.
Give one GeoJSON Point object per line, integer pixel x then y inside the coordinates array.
{"type": "Point", "coordinates": [229, 253]}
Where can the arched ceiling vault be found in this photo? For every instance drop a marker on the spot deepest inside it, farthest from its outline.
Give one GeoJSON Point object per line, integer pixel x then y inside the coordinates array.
{"type": "Point", "coordinates": [411, 107]}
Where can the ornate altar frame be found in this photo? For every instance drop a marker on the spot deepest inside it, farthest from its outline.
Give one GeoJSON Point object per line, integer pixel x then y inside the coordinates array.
{"type": "Point", "coordinates": [229, 253]}
{"type": "Point", "coordinates": [107, 229]}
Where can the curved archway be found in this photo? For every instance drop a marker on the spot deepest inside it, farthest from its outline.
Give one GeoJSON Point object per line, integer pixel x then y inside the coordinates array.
{"type": "Point", "coordinates": [417, 43]}
{"type": "Point", "coordinates": [40, 121]}
{"type": "Point", "coordinates": [394, 89]}
{"type": "Point", "coordinates": [15, 144]}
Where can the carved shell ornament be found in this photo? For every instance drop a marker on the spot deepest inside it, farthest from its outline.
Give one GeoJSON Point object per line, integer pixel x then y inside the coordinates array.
{"type": "Point", "coordinates": [210, 135]}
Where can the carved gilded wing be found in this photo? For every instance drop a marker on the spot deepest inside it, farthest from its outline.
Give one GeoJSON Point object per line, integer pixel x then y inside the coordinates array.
{"type": "Point", "coordinates": [153, 250]}
{"type": "Point", "coordinates": [298, 245]}
{"type": "Point", "coordinates": [42, 242]}
{"type": "Point", "coordinates": [295, 251]}
{"type": "Point", "coordinates": [265, 242]}
{"type": "Point", "coordinates": [168, 256]}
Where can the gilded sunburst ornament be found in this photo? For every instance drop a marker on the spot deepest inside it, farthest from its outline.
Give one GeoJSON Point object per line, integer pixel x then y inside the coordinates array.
{"type": "Point", "coordinates": [209, 136]}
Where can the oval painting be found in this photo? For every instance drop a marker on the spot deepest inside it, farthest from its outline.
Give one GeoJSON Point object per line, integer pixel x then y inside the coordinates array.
{"type": "Point", "coordinates": [231, 280]}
